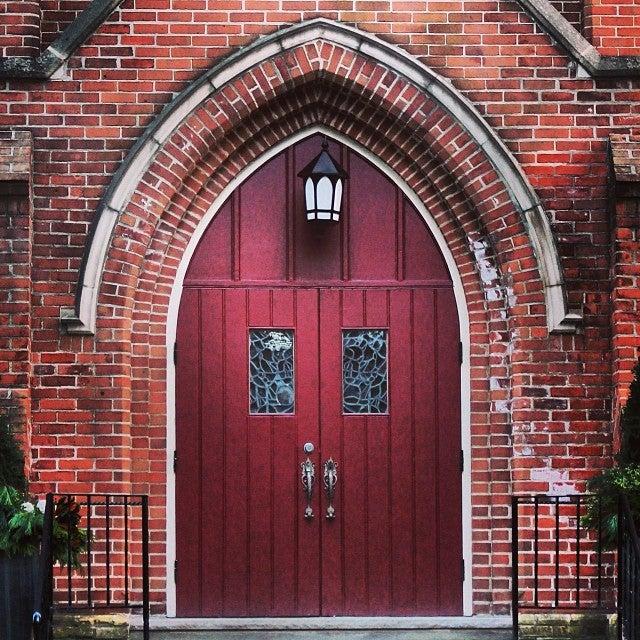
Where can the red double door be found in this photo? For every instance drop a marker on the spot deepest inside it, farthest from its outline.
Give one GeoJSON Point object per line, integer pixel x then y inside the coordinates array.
{"type": "Point", "coordinates": [367, 376]}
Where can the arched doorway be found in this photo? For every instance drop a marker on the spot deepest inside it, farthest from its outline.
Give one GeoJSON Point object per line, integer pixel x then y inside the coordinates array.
{"type": "Point", "coordinates": [344, 336]}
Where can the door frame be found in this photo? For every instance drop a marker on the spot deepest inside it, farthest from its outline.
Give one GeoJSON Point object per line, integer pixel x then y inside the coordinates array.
{"type": "Point", "coordinates": [172, 325]}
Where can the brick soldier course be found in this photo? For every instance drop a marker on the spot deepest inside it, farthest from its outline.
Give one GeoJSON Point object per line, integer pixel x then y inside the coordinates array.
{"type": "Point", "coordinates": [520, 134]}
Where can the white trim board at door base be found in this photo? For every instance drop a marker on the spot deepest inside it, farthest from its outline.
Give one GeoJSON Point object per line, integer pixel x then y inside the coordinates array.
{"type": "Point", "coordinates": [465, 371]}
{"type": "Point", "coordinates": [162, 623]}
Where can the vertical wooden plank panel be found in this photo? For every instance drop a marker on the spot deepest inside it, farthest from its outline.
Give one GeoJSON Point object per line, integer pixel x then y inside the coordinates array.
{"type": "Point", "coordinates": [345, 226]}
{"type": "Point", "coordinates": [236, 545]}
{"type": "Point", "coordinates": [263, 235]}
{"type": "Point", "coordinates": [372, 223]}
{"type": "Point", "coordinates": [331, 446]}
{"type": "Point", "coordinates": [425, 461]}
{"type": "Point", "coordinates": [212, 451]}
{"type": "Point", "coordinates": [307, 550]}
{"type": "Point", "coordinates": [259, 308]}
{"type": "Point", "coordinates": [283, 308]}
{"type": "Point", "coordinates": [260, 445]}
{"type": "Point", "coordinates": [378, 498]}
{"type": "Point", "coordinates": [402, 489]}
{"type": "Point", "coordinates": [401, 238]}
{"type": "Point", "coordinates": [259, 523]}
{"type": "Point", "coordinates": [283, 476]}
{"type": "Point", "coordinates": [423, 259]}
{"type": "Point", "coordinates": [449, 476]}
{"type": "Point", "coordinates": [354, 472]}
{"type": "Point", "coordinates": [352, 313]}
{"type": "Point", "coordinates": [188, 479]}
{"type": "Point", "coordinates": [213, 259]}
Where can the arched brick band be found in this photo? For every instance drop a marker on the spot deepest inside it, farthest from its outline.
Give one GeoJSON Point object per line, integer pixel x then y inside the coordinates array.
{"type": "Point", "coordinates": [416, 84]}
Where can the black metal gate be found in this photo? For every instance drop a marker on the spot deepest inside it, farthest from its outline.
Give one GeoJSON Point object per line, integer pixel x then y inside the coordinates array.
{"type": "Point", "coordinates": [113, 573]}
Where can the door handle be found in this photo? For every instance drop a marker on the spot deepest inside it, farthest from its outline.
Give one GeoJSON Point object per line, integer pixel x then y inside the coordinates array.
{"type": "Point", "coordinates": [330, 482]}
{"type": "Point", "coordinates": [308, 480]}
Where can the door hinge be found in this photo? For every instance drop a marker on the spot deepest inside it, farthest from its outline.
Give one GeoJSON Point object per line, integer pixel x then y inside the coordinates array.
{"type": "Point", "coordinates": [175, 354]}
{"type": "Point", "coordinates": [175, 460]}
{"type": "Point", "coordinates": [461, 352]}
{"type": "Point", "coordinates": [175, 571]}
{"type": "Point", "coordinates": [461, 460]}
{"type": "Point", "coordinates": [464, 573]}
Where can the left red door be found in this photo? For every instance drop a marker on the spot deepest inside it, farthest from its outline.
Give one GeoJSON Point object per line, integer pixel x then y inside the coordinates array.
{"type": "Point", "coordinates": [242, 547]}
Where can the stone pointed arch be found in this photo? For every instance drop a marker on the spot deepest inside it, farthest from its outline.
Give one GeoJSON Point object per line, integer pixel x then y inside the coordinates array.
{"type": "Point", "coordinates": [277, 64]}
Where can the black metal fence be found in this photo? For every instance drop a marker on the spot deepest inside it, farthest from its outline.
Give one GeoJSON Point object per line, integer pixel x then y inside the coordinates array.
{"type": "Point", "coordinates": [628, 574]}
{"type": "Point", "coordinates": [113, 572]}
{"type": "Point", "coordinates": [557, 565]}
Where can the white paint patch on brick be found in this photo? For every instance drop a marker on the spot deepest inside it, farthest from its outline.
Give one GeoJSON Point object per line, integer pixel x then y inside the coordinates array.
{"type": "Point", "coordinates": [557, 479]}
{"type": "Point", "coordinates": [500, 406]}
{"type": "Point", "coordinates": [486, 269]}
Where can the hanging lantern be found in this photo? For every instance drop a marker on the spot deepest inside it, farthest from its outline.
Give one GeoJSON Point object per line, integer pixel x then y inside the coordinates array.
{"type": "Point", "coordinates": [323, 180]}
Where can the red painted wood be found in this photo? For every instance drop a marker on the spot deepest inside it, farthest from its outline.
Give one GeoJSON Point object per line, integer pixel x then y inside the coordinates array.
{"type": "Point", "coordinates": [244, 547]}
{"type": "Point", "coordinates": [216, 261]}
{"type": "Point", "coordinates": [235, 477]}
{"type": "Point", "coordinates": [372, 224]}
{"type": "Point", "coordinates": [211, 448]}
{"type": "Point", "coordinates": [332, 532]}
{"type": "Point", "coordinates": [260, 235]}
{"type": "Point", "coordinates": [448, 478]}
{"type": "Point", "coordinates": [425, 372]}
{"type": "Point", "coordinates": [263, 230]}
{"type": "Point", "coordinates": [402, 481]}
{"type": "Point", "coordinates": [307, 544]}
{"type": "Point", "coordinates": [188, 485]}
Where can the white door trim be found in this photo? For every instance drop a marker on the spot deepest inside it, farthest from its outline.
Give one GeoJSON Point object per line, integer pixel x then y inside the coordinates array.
{"type": "Point", "coordinates": [172, 323]}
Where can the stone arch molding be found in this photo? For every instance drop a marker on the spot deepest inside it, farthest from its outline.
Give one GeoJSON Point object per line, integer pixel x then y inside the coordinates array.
{"type": "Point", "coordinates": [82, 318]}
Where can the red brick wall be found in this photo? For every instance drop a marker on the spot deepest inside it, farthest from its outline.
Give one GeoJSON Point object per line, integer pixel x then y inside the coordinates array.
{"type": "Point", "coordinates": [19, 27]}
{"type": "Point", "coordinates": [613, 26]}
{"type": "Point", "coordinates": [625, 264]}
{"type": "Point", "coordinates": [572, 10]}
{"type": "Point", "coordinates": [57, 15]}
{"type": "Point", "coordinates": [15, 281]}
{"type": "Point", "coordinates": [541, 404]}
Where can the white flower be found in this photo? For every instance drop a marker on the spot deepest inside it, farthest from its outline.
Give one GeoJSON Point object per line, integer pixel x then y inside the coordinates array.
{"type": "Point", "coordinates": [41, 504]}
{"type": "Point", "coordinates": [28, 507]}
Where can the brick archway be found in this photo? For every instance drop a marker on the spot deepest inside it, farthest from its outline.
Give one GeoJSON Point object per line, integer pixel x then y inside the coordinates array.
{"type": "Point", "coordinates": [329, 75]}
{"type": "Point", "coordinates": [420, 106]}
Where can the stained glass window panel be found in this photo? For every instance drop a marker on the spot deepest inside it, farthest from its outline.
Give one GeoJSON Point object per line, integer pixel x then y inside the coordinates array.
{"type": "Point", "coordinates": [271, 387]}
{"type": "Point", "coordinates": [364, 371]}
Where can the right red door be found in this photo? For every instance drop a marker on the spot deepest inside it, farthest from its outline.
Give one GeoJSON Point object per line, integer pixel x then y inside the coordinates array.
{"type": "Point", "coordinates": [394, 545]}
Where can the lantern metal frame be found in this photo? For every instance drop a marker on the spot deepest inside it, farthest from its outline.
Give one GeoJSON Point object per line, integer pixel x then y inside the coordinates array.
{"type": "Point", "coordinates": [320, 175]}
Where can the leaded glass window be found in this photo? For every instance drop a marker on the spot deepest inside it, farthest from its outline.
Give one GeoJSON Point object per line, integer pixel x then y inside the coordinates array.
{"type": "Point", "coordinates": [271, 387]}
{"type": "Point", "coordinates": [364, 371]}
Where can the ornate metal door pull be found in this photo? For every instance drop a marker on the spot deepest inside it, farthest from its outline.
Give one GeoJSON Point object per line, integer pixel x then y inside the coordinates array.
{"type": "Point", "coordinates": [308, 479]}
{"type": "Point", "coordinates": [330, 481]}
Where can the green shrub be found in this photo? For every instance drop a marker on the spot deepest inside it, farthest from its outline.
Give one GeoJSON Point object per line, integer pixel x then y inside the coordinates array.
{"type": "Point", "coordinates": [21, 525]}
{"type": "Point", "coordinates": [21, 520]}
{"type": "Point", "coordinates": [608, 486]}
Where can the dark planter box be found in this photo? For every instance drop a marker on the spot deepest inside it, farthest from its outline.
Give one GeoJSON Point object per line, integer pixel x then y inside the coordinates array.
{"type": "Point", "coordinates": [17, 580]}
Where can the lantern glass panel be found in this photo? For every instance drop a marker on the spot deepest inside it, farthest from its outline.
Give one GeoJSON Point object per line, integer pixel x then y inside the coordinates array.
{"type": "Point", "coordinates": [310, 196]}
{"type": "Point", "coordinates": [324, 192]}
{"type": "Point", "coordinates": [337, 197]}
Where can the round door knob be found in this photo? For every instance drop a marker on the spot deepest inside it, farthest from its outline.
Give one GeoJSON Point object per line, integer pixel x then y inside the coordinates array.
{"type": "Point", "coordinates": [308, 447]}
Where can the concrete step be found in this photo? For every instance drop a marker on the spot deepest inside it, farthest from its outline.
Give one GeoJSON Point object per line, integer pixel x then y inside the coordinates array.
{"type": "Point", "coordinates": [327, 628]}
{"type": "Point", "coordinates": [385, 634]}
